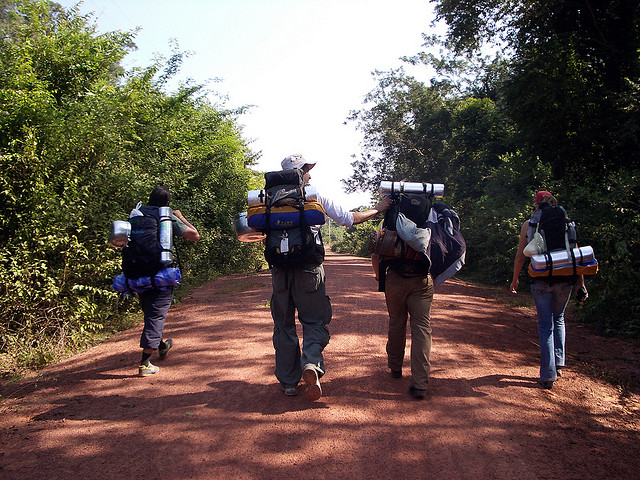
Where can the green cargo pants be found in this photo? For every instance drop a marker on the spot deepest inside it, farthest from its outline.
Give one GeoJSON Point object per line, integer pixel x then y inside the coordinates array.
{"type": "Point", "coordinates": [302, 289]}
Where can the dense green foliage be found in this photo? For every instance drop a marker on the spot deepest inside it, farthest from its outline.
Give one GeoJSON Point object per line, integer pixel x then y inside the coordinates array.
{"type": "Point", "coordinates": [556, 109]}
{"type": "Point", "coordinates": [81, 142]}
{"type": "Point", "coordinates": [356, 239]}
{"type": "Point", "coordinates": [332, 232]}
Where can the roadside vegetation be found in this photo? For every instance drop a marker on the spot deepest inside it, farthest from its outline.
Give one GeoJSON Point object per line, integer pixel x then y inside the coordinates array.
{"type": "Point", "coordinates": [81, 143]}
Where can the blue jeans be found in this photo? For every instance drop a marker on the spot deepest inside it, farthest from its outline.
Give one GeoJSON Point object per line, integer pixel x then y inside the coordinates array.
{"type": "Point", "coordinates": [551, 301]}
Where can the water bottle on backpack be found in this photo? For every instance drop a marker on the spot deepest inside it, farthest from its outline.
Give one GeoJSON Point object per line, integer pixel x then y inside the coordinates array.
{"type": "Point", "coordinates": [166, 236]}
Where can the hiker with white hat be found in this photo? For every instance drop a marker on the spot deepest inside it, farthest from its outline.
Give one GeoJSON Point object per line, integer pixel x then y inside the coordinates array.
{"type": "Point", "coordinates": [302, 288]}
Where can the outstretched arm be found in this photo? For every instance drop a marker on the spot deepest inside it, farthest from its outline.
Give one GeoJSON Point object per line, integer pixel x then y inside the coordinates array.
{"type": "Point", "coordinates": [359, 217]}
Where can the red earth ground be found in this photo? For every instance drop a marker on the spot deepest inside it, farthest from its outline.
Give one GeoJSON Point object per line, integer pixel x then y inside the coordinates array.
{"type": "Point", "coordinates": [216, 411]}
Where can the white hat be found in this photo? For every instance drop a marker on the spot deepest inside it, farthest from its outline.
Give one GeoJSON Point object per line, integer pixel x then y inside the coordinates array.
{"type": "Point", "coordinates": [295, 161]}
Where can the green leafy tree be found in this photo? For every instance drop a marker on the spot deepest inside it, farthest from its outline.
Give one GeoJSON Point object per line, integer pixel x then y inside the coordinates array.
{"type": "Point", "coordinates": [81, 142]}
{"type": "Point", "coordinates": [574, 66]}
{"type": "Point", "coordinates": [556, 108]}
{"type": "Point", "coordinates": [405, 128]}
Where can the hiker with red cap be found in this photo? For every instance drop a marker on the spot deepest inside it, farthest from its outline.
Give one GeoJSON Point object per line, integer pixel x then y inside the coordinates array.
{"type": "Point", "coordinates": [549, 229]}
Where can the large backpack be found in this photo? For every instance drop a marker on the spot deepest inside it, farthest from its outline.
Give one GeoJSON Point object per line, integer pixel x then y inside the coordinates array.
{"type": "Point", "coordinates": [428, 240]}
{"type": "Point", "coordinates": [415, 206]}
{"type": "Point", "coordinates": [141, 256]}
{"type": "Point", "coordinates": [558, 233]}
{"type": "Point", "coordinates": [288, 217]}
{"type": "Point", "coordinates": [555, 226]}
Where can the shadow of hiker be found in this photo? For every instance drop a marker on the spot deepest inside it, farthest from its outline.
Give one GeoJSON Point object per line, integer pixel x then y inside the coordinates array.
{"type": "Point", "coordinates": [229, 396]}
{"type": "Point", "coordinates": [504, 381]}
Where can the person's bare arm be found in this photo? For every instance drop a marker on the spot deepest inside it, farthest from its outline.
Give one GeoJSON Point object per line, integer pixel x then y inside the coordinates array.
{"type": "Point", "coordinates": [518, 262]}
{"type": "Point", "coordinates": [359, 217]}
{"type": "Point", "coordinates": [190, 233]}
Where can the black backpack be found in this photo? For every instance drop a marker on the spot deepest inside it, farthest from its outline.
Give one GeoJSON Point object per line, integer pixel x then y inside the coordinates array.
{"type": "Point", "coordinates": [295, 245]}
{"type": "Point", "coordinates": [415, 206]}
{"type": "Point", "coordinates": [558, 232]}
{"type": "Point", "coordinates": [141, 256]}
{"type": "Point", "coordinates": [446, 250]}
{"type": "Point", "coordinates": [555, 226]}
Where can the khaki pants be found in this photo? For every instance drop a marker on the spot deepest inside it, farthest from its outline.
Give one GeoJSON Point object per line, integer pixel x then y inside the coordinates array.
{"type": "Point", "coordinates": [410, 298]}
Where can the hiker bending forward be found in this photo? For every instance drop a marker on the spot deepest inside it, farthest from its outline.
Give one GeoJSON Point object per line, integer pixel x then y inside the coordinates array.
{"type": "Point", "coordinates": [302, 287]}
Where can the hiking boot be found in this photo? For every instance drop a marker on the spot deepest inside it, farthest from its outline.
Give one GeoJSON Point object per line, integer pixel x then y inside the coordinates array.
{"type": "Point", "coordinates": [546, 384]}
{"type": "Point", "coordinates": [290, 390]}
{"type": "Point", "coordinates": [313, 390]}
{"type": "Point", "coordinates": [164, 351]}
{"type": "Point", "coordinates": [396, 373]}
{"type": "Point", "coordinates": [418, 393]}
{"type": "Point", "coordinates": [146, 370]}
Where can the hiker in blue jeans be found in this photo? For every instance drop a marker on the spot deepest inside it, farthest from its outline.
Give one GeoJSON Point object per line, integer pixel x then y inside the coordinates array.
{"type": "Point", "coordinates": [551, 297]}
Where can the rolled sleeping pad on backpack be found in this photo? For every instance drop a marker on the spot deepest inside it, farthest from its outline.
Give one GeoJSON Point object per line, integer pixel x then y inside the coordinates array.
{"type": "Point", "coordinates": [285, 217]}
{"type": "Point", "coordinates": [244, 232]}
{"type": "Point", "coordinates": [562, 258]}
{"type": "Point", "coordinates": [119, 235]}
{"type": "Point", "coordinates": [429, 189]}
{"type": "Point", "coordinates": [166, 236]}
{"type": "Point", "coordinates": [561, 262]}
{"type": "Point", "coordinates": [259, 197]}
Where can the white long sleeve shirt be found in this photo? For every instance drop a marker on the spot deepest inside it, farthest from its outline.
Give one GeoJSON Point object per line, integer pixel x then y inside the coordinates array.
{"type": "Point", "coordinates": [337, 212]}
{"type": "Point", "coordinates": [334, 211]}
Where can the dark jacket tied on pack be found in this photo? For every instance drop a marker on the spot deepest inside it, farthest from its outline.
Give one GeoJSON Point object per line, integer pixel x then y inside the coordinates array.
{"type": "Point", "coordinates": [419, 237]}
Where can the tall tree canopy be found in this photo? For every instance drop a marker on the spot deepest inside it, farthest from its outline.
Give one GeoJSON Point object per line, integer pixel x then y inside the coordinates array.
{"type": "Point", "coordinates": [573, 75]}
{"type": "Point", "coordinates": [557, 107]}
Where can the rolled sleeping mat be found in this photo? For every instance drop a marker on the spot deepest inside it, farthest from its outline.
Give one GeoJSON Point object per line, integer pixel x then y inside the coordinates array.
{"type": "Point", "coordinates": [244, 232]}
{"type": "Point", "coordinates": [562, 263]}
{"type": "Point", "coordinates": [259, 197]}
{"type": "Point", "coordinates": [430, 189]}
{"type": "Point", "coordinates": [163, 280]}
{"type": "Point", "coordinates": [284, 217]}
{"type": "Point", "coordinates": [562, 258]}
{"type": "Point", "coordinates": [119, 235]}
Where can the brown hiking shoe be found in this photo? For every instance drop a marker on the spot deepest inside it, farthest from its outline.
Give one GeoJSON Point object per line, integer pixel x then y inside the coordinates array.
{"type": "Point", "coordinates": [313, 389]}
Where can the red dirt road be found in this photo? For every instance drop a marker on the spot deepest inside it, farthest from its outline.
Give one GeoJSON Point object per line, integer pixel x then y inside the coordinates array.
{"type": "Point", "coordinates": [215, 410]}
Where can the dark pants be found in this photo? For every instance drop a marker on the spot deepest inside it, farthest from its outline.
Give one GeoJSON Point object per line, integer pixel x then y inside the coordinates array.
{"type": "Point", "coordinates": [155, 305]}
{"type": "Point", "coordinates": [301, 289]}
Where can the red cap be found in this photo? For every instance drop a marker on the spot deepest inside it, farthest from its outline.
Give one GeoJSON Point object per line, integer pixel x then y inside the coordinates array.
{"type": "Point", "coordinates": [541, 194]}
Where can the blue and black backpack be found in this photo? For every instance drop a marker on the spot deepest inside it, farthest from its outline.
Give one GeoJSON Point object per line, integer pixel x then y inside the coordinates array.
{"type": "Point", "coordinates": [294, 244]}
{"type": "Point", "coordinates": [141, 256]}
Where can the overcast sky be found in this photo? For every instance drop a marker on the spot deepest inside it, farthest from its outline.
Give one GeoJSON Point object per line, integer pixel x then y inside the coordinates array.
{"type": "Point", "coordinates": [302, 64]}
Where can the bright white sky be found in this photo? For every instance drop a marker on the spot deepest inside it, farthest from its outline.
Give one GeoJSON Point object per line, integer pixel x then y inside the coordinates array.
{"type": "Point", "coordinates": [302, 64]}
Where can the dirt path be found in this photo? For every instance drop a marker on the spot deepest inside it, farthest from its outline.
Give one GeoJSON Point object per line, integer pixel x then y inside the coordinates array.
{"type": "Point", "coordinates": [215, 410]}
